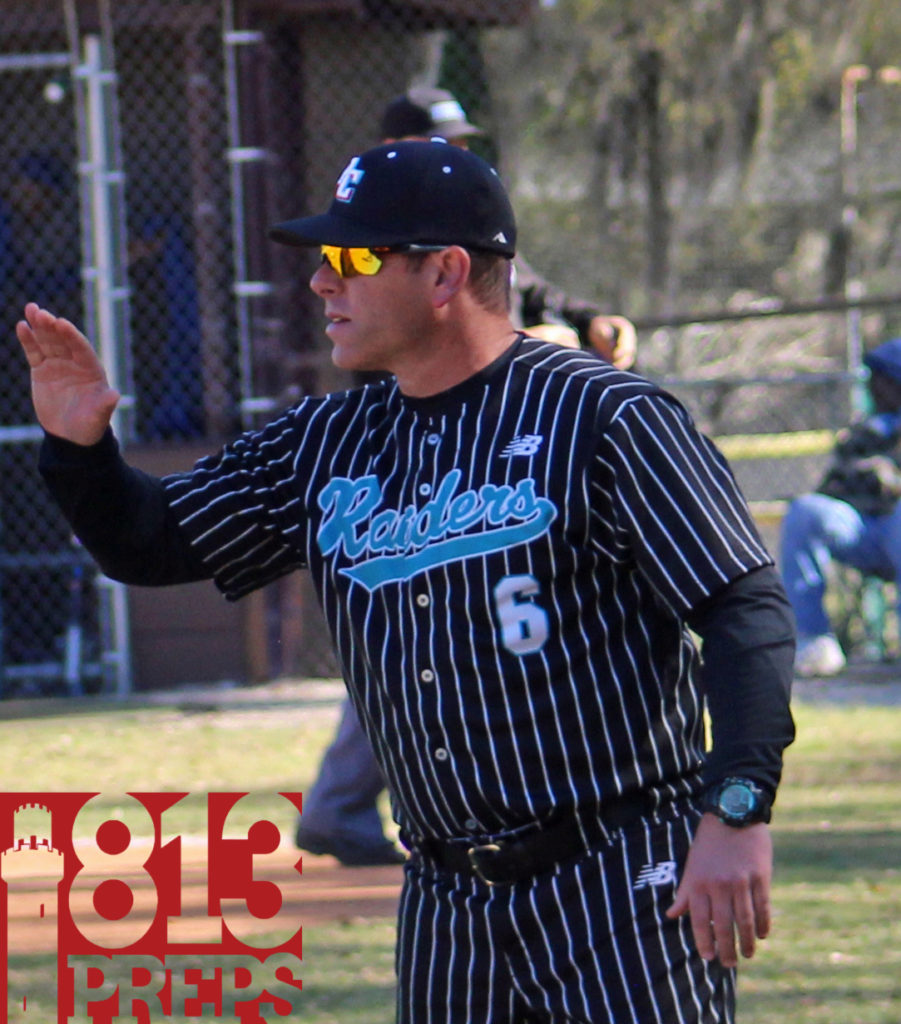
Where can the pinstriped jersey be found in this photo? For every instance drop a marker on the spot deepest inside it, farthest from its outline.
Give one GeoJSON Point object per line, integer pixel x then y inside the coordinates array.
{"type": "Point", "coordinates": [505, 569]}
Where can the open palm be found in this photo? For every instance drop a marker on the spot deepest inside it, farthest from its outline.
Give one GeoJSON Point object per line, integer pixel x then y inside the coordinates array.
{"type": "Point", "coordinates": [72, 397]}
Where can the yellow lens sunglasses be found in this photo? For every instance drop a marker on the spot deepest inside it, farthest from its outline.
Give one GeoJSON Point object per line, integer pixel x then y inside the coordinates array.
{"type": "Point", "coordinates": [351, 261]}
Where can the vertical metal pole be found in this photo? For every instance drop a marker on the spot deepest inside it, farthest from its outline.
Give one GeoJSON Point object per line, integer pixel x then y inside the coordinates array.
{"type": "Point", "coordinates": [102, 220]}
{"type": "Point", "coordinates": [240, 156]}
{"type": "Point", "coordinates": [105, 301]}
{"type": "Point", "coordinates": [209, 225]}
{"type": "Point", "coordinates": [851, 77]}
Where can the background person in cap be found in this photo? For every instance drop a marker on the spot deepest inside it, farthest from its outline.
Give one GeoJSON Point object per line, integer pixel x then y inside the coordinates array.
{"type": "Point", "coordinates": [341, 811]}
{"type": "Point", "coordinates": [853, 518]}
{"type": "Point", "coordinates": [39, 250]}
{"type": "Point", "coordinates": [546, 310]}
{"type": "Point", "coordinates": [513, 543]}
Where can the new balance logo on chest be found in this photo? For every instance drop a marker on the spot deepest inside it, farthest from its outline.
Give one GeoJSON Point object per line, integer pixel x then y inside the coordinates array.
{"type": "Point", "coordinates": [523, 444]}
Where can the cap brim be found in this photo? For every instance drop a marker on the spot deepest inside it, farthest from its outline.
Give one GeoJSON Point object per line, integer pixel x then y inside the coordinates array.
{"type": "Point", "coordinates": [884, 366]}
{"type": "Point", "coordinates": [327, 229]}
{"type": "Point", "coordinates": [455, 130]}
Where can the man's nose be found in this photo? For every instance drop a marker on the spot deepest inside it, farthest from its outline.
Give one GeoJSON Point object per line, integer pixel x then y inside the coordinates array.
{"type": "Point", "coordinates": [325, 280]}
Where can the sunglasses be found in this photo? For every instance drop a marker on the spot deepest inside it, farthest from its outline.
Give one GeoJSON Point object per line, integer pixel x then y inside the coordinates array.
{"type": "Point", "coordinates": [350, 262]}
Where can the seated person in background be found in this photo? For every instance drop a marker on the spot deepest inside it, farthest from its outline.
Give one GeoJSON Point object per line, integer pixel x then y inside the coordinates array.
{"type": "Point", "coordinates": [853, 518]}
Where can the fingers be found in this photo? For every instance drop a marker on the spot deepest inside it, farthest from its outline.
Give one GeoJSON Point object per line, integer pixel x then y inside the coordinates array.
{"type": "Point", "coordinates": [46, 336]}
{"type": "Point", "coordinates": [36, 333]}
{"type": "Point", "coordinates": [29, 344]}
{"type": "Point", "coordinates": [700, 913]}
{"type": "Point", "coordinates": [712, 928]}
{"type": "Point", "coordinates": [725, 888]}
{"type": "Point", "coordinates": [626, 343]}
{"type": "Point", "coordinates": [679, 905]}
{"type": "Point", "coordinates": [714, 922]}
{"type": "Point", "coordinates": [742, 912]}
{"type": "Point", "coordinates": [71, 395]}
{"type": "Point", "coordinates": [721, 914]}
{"type": "Point", "coordinates": [760, 895]}
{"type": "Point", "coordinates": [25, 331]}
{"type": "Point", "coordinates": [38, 320]}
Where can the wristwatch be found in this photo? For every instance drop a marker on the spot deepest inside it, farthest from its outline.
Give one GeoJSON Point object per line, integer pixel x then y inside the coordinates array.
{"type": "Point", "coordinates": [738, 802]}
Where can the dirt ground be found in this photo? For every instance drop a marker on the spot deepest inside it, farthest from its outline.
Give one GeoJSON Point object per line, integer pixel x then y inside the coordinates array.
{"type": "Point", "coordinates": [326, 892]}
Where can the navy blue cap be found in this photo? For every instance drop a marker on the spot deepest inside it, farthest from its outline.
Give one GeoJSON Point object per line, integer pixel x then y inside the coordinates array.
{"type": "Point", "coordinates": [886, 359]}
{"type": "Point", "coordinates": [403, 193]}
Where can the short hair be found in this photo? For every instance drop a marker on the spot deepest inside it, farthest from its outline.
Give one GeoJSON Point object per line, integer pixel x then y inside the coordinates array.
{"type": "Point", "coordinates": [490, 277]}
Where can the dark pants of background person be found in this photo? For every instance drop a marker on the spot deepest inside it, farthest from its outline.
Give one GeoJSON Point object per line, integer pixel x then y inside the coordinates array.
{"type": "Point", "coordinates": [343, 800]}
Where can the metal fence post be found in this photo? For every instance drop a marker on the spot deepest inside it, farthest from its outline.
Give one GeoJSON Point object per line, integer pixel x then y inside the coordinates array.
{"type": "Point", "coordinates": [101, 277]}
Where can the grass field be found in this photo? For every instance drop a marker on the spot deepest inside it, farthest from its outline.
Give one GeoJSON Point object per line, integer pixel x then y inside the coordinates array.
{"type": "Point", "coordinates": [835, 953]}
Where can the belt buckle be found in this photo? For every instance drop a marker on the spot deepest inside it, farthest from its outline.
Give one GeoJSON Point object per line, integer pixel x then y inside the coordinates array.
{"type": "Point", "coordinates": [474, 853]}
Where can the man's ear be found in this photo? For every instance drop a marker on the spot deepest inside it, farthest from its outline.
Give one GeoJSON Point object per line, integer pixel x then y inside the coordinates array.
{"type": "Point", "coordinates": [451, 274]}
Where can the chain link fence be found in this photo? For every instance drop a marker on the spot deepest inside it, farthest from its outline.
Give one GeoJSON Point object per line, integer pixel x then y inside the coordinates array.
{"type": "Point", "coordinates": [48, 605]}
{"type": "Point", "coordinates": [148, 144]}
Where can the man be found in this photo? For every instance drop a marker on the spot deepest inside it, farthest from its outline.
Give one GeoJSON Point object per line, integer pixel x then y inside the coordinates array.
{"type": "Point", "coordinates": [854, 517]}
{"type": "Point", "coordinates": [341, 812]}
{"type": "Point", "coordinates": [510, 540]}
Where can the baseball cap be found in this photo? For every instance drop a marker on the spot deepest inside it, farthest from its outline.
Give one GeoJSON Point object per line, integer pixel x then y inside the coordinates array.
{"type": "Point", "coordinates": [412, 193]}
{"type": "Point", "coordinates": [422, 111]}
{"type": "Point", "coordinates": [886, 359]}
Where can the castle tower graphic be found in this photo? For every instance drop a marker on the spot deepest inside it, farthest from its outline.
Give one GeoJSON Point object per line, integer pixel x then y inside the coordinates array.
{"type": "Point", "coordinates": [31, 855]}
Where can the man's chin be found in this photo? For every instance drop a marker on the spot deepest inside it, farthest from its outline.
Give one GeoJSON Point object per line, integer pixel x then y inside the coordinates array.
{"type": "Point", "coordinates": [343, 355]}
{"type": "Point", "coordinates": [345, 358]}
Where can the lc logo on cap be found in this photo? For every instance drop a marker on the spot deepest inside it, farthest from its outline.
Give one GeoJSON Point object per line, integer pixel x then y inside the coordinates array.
{"type": "Point", "coordinates": [350, 177]}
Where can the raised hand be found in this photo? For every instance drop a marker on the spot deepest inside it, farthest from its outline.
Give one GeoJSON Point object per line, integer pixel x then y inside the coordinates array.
{"type": "Point", "coordinates": [71, 395]}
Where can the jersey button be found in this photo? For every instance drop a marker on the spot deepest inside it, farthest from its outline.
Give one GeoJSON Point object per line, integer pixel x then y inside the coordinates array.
{"type": "Point", "coordinates": [441, 754]}
{"type": "Point", "coordinates": [423, 600]}
{"type": "Point", "coordinates": [427, 675]}
{"type": "Point", "coordinates": [470, 824]}
{"type": "Point", "coordinates": [425, 490]}
{"type": "Point", "coordinates": [433, 438]}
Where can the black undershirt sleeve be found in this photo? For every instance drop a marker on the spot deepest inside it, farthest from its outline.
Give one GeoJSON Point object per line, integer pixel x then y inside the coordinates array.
{"type": "Point", "coordinates": [120, 514]}
{"type": "Point", "coordinates": [747, 636]}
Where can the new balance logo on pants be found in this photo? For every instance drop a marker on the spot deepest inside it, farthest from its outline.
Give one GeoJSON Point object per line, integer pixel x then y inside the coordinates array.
{"type": "Point", "coordinates": [663, 873]}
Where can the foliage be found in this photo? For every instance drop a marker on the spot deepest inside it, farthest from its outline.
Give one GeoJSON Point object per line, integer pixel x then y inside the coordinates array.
{"type": "Point", "coordinates": [656, 132]}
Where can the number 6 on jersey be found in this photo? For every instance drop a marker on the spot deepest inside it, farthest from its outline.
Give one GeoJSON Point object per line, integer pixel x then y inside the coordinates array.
{"type": "Point", "coordinates": [524, 625]}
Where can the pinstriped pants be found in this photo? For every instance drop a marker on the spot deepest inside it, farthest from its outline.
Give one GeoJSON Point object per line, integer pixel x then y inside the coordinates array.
{"type": "Point", "coordinates": [586, 943]}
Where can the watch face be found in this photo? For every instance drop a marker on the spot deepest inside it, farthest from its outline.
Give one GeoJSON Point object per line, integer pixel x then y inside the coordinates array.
{"type": "Point", "coordinates": [737, 800]}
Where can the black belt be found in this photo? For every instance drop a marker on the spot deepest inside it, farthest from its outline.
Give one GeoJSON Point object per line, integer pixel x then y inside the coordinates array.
{"type": "Point", "coordinates": [506, 860]}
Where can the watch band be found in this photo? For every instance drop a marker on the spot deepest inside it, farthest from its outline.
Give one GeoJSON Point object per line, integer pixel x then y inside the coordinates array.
{"type": "Point", "coordinates": [738, 801]}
